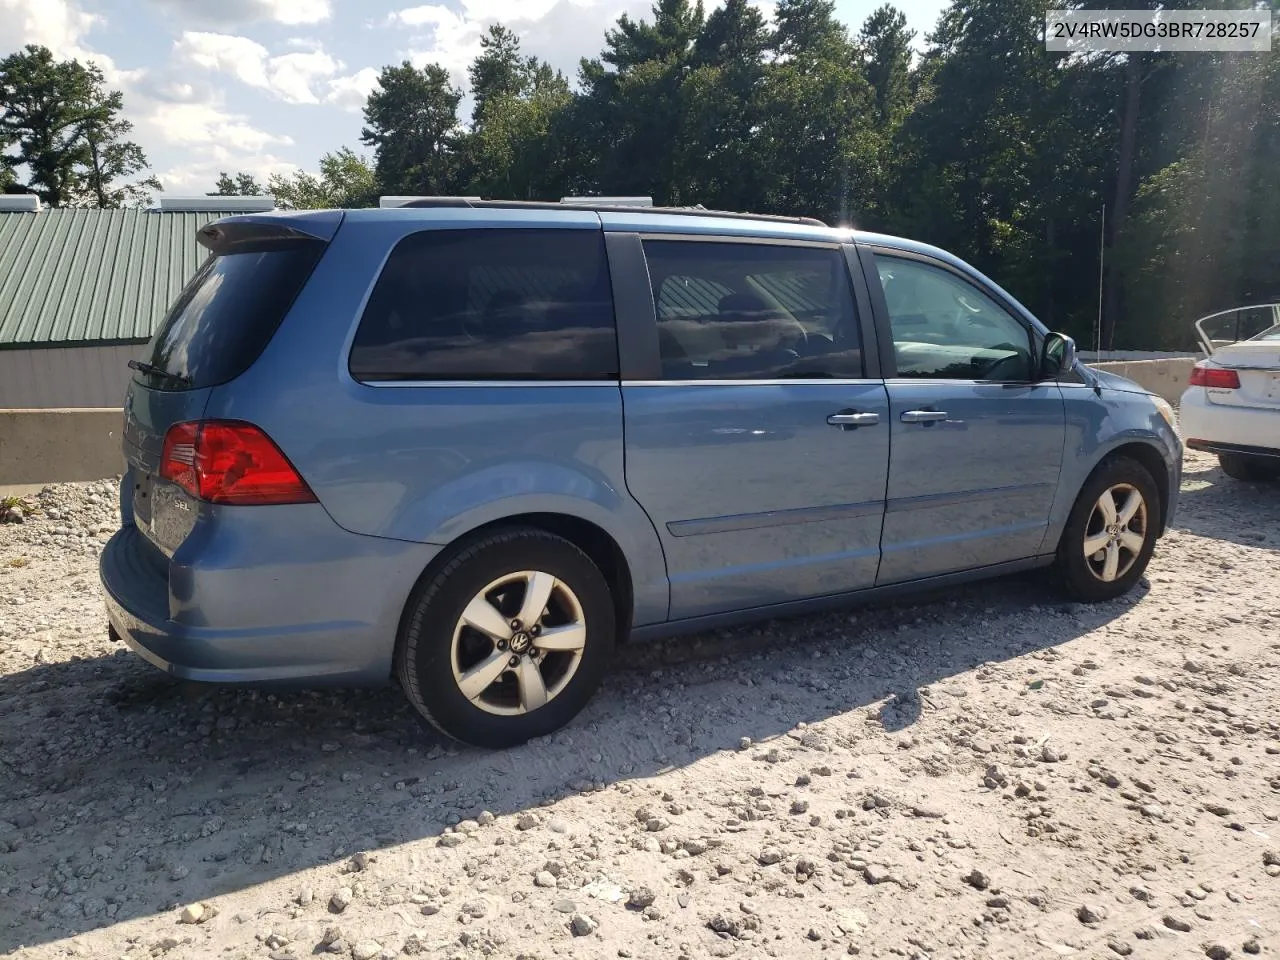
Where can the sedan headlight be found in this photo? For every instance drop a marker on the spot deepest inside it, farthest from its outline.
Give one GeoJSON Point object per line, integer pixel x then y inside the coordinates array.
{"type": "Point", "coordinates": [1165, 409]}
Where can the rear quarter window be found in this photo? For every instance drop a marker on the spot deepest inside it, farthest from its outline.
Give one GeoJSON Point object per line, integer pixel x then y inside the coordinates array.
{"type": "Point", "coordinates": [490, 305]}
{"type": "Point", "coordinates": [226, 315]}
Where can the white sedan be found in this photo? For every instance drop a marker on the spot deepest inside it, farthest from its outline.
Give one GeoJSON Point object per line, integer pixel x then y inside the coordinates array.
{"type": "Point", "coordinates": [1232, 407]}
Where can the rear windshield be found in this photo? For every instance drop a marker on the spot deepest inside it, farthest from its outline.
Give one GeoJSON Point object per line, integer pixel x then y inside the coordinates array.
{"type": "Point", "coordinates": [226, 315]}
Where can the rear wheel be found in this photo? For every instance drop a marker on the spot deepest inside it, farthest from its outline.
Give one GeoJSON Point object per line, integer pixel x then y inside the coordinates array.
{"type": "Point", "coordinates": [1241, 466]}
{"type": "Point", "coordinates": [1111, 532]}
{"type": "Point", "coordinates": [509, 640]}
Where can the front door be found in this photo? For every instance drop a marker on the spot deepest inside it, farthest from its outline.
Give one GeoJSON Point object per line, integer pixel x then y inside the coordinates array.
{"type": "Point", "coordinates": [976, 438]}
{"type": "Point", "coordinates": [761, 452]}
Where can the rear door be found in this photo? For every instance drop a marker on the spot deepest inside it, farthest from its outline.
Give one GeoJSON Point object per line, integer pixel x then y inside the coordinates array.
{"type": "Point", "coordinates": [756, 424]}
{"type": "Point", "coordinates": [214, 331]}
{"type": "Point", "coordinates": [976, 436]}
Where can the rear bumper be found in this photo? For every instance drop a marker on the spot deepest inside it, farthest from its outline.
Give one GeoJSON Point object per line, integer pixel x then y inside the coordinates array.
{"type": "Point", "coordinates": [1211, 446]}
{"type": "Point", "coordinates": [1222, 428]}
{"type": "Point", "coordinates": [322, 618]}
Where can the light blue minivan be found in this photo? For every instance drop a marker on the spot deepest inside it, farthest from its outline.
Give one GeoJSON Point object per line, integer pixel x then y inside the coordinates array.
{"type": "Point", "coordinates": [473, 445]}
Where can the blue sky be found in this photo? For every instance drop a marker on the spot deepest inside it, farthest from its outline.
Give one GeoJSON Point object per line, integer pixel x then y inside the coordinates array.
{"type": "Point", "coordinates": [270, 85]}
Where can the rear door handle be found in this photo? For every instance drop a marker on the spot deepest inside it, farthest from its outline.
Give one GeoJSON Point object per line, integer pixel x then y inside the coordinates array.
{"type": "Point", "coordinates": [848, 418]}
{"type": "Point", "coordinates": [923, 416]}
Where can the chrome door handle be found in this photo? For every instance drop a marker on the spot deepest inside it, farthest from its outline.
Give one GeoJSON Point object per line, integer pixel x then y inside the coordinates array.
{"type": "Point", "coordinates": [923, 416]}
{"type": "Point", "coordinates": [853, 419]}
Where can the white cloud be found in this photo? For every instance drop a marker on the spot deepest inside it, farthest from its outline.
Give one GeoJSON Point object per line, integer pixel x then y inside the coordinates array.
{"type": "Point", "coordinates": [55, 24]}
{"type": "Point", "coordinates": [244, 59]}
{"type": "Point", "coordinates": [477, 10]}
{"type": "Point", "coordinates": [351, 92]}
{"type": "Point", "coordinates": [61, 26]}
{"type": "Point", "coordinates": [555, 30]}
{"type": "Point", "coordinates": [228, 12]}
{"type": "Point", "coordinates": [202, 139]}
{"type": "Point", "coordinates": [207, 125]}
{"type": "Point", "coordinates": [169, 107]}
{"type": "Point", "coordinates": [444, 37]}
{"type": "Point", "coordinates": [431, 15]}
{"type": "Point", "coordinates": [199, 177]}
{"type": "Point", "coordinates": [293, 74]}
{"type": "Point", "coordinates": [293, 77]}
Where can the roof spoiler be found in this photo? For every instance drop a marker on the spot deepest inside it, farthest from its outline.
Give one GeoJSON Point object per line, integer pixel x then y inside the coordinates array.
{"type": "Point", "coordinates": [256, 233]}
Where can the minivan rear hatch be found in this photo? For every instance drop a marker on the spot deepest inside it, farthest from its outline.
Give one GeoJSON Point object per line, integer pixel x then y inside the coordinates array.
{"type": "Point", "coordinates": [215, 330]}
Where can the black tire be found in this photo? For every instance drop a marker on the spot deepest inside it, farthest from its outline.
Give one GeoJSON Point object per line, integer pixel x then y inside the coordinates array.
{"type": "Point", "coordinates": [1074, 571]}
{"type": "Point", "coordinates": [1241, 466]}
{"type": "Point", "coordinates": [425, 661]}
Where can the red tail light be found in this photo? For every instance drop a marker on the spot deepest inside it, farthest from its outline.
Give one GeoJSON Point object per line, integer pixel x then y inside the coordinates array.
{"type": "Point", "coordinates": [1214, 377]}
{"type": "Point", "coordinates": [227, 461]}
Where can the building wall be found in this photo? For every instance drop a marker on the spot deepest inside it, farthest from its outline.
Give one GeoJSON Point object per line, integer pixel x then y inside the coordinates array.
{"type": "Point", "coordinates": [65, 376]}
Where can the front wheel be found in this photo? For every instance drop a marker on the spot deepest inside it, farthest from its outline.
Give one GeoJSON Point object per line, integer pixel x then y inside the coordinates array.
{"type": "Point", "coordinates": [1242, 466]}
{"type": "Point", "coordinates": [509, 640]}
{"type": "Point", "coordinates": [1110, 534]}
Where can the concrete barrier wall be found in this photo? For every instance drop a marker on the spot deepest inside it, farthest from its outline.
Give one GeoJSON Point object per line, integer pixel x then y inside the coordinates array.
{"type": "Point", "coordinates": [1165, 378]}
{"type": "Point", "coordinates": [60, 445]}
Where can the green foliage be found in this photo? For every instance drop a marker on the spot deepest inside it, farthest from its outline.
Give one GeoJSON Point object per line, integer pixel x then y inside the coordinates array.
{"type": "Point", "coordinates": [346, 181]}
{"type": "Point", "coordinates": [1205, 228]}
{"type": "Point", "coordinates": [514, 147]}
{"type": "Point", "coordinates": [809, 30]}
{"type": "Point", "coordinates": [240, 185]}
{"type": "Point", "coordinates": [61, 126]}
{"type": "Point", "coordinates": [115, 164]}
{"type": "Point", "coordinates": [500, 71]}
{"type": "Point", "coordinates": [984, 144]}
{"type": "Point", "coordinates": [411, 121]}
{"type": "Point", "coordinates": [886, 43]}
{"type": "Point", "coordinates": [515, 152]}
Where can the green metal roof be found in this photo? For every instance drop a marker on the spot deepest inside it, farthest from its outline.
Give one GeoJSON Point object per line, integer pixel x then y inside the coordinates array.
{"type": "Point", "coordinates": [83, 276]}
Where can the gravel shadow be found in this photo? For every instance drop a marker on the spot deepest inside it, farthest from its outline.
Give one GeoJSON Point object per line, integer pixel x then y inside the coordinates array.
{"type": "Point", "coordinates": [128, 794]}
{"type": "Point", "coordinates": [1216, 506]}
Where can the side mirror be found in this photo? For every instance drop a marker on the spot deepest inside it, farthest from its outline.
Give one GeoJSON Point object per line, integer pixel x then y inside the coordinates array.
{"type": "Point", "coordinates": [1058, 356]}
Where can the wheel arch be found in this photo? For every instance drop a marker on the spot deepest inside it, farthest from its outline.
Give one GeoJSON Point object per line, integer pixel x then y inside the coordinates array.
{"type": "Point", "coordinates": [1150, 457]}
{"type": "Point", "coordinates": [592, 539]}
{"type": "Point", "coordinates": [1148, 453]}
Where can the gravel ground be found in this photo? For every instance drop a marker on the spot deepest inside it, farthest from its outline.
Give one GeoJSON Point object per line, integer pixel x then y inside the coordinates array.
{"type": "Point", "coordinates": [984, 773]}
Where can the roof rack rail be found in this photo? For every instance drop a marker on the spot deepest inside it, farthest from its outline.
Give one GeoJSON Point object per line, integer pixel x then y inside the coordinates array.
{"type": "Point", "coordinates": [612, 201]}
{"type": "Point", "coordinates": [603, 207]}
{"type": "Point", "coordinates": [403, 201]}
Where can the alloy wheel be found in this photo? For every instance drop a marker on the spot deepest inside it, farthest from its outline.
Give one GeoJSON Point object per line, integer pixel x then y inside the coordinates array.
{"type": "Point", "coordinates": [518, 643]}
{"type": "Point", "coordinates": [1116, 532]}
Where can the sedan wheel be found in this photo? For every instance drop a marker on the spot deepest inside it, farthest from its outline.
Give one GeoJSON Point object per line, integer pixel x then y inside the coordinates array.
{"type": "Point", "coordinates": [1116, 532]}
